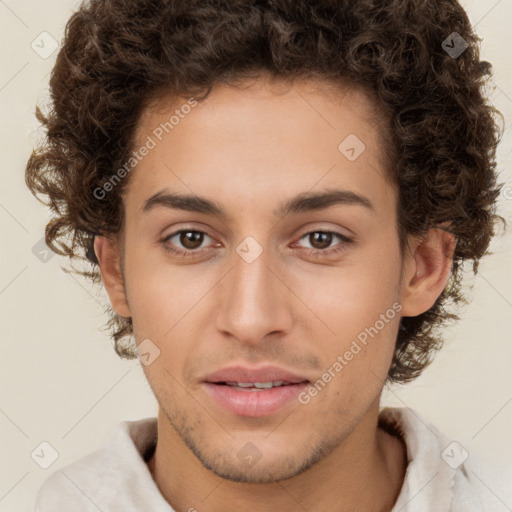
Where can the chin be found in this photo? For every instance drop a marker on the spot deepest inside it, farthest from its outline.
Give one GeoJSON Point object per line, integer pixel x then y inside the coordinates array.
{"type": "Point", "coordinates": [272, 471]}
{"type": "Point", "coordinates": [249, 465]}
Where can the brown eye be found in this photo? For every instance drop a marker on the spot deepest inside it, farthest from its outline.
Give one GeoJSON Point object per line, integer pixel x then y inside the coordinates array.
{"type": "Point", "coordinates": [320, 239]}
{"type": "Point", "coordinates": [191, 239]}
{"type": "Point", "coordinates": [185, 242]}
{"type": "Point", "coordinates": [323, 243]}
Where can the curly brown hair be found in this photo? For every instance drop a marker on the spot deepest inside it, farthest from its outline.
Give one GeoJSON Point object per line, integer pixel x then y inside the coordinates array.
{"type": "Point", "coordinates": [119, 55]}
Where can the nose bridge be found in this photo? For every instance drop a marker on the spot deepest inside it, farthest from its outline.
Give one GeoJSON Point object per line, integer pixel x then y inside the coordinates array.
{"type": "Point", "coordinates": [253, 303]}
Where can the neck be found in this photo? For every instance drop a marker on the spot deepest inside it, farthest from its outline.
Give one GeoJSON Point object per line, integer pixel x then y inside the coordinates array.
{"type": "Point", "coordinates": [364, 472]}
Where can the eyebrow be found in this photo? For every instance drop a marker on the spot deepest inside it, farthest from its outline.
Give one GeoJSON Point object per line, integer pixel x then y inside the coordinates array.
{"type": "Point", "coordinates": [304, 202]}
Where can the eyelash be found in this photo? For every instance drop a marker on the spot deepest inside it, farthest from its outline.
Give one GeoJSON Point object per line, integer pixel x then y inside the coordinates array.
{"type": "Point", "coordinates": [312, 252]}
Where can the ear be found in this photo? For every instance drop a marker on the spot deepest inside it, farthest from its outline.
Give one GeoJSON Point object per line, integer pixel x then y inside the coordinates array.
{"type": "Point", "coordinates": [427, 268]}
{"type": "Point", "coordinates": [107, 254]}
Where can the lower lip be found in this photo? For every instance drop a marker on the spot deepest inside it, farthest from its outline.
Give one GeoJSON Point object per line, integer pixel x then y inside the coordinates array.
{"type": "Point", "coordinates": [254, 403]}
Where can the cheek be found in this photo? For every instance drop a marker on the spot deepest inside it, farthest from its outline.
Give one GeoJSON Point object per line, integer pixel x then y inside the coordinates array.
{"type": "Point", "coordinates": [360, 306]}
{"type": "Point", "coordinates": [155, 295]}
{"type": "Point", "coordinates": [354, 297]}
{"type": "Point", "coordinates": [166, 301]}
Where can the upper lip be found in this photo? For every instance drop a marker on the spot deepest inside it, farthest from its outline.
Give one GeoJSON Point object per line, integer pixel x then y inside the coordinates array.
{"type": "Point", "coordinates": [261, 374]}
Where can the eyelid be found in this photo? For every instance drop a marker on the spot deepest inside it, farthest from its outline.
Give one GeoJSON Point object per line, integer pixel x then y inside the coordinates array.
{"type": "Point", "coordinates": [334, 231]}
{"type": "Point", "coordinates": [199, 228]}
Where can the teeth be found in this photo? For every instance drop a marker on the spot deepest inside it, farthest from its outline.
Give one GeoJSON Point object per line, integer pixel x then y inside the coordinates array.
{"type": "Point", "coordinates": [245, 384]}
{"type": "Point", "coordinates": [263, 385]}
{"type": "Point", "coordinates": [259, 385]}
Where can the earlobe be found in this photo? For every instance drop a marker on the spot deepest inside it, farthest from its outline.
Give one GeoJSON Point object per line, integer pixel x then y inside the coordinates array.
{"type": "Point", "coordinates": [427, 270]}
{"type": "Point", "coordinates": [107, 254]}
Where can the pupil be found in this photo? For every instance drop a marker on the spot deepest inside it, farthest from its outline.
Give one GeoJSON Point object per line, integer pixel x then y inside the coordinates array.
{"type": "Point", "coordinates": [325, 240]}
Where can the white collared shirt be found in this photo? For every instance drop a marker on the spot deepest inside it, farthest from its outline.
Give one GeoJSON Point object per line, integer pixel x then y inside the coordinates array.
{"type": "Point", "coordinates": [116, 477]}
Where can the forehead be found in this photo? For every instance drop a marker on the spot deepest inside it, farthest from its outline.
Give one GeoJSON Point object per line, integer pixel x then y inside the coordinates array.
{"type": "Point", "coordinates": [240, 142]}
{"type": "Point", "coordinates": [250, 100]}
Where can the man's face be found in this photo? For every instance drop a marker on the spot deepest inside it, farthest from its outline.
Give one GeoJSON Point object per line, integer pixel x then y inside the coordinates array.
{"type": "Point", "coordinates": [258, 288]}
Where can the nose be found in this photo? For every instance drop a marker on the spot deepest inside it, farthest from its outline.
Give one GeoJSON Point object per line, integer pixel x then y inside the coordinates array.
{"type": "Point", "coordinates": [254, 300]}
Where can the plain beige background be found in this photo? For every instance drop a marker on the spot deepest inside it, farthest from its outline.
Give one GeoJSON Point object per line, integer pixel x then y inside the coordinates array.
{"type": "Point", "coordinates": [62, 383]}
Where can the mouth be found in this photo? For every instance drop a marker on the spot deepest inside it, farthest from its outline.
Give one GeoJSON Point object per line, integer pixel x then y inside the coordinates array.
{"type": "Point", "coordinates": [254, 392]}
{"type": "Point", "coordinates": [257, 386]}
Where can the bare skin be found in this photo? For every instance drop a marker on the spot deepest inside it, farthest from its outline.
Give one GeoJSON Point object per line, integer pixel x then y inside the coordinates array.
{"type": "Point", "coordinates": [294, 306]}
